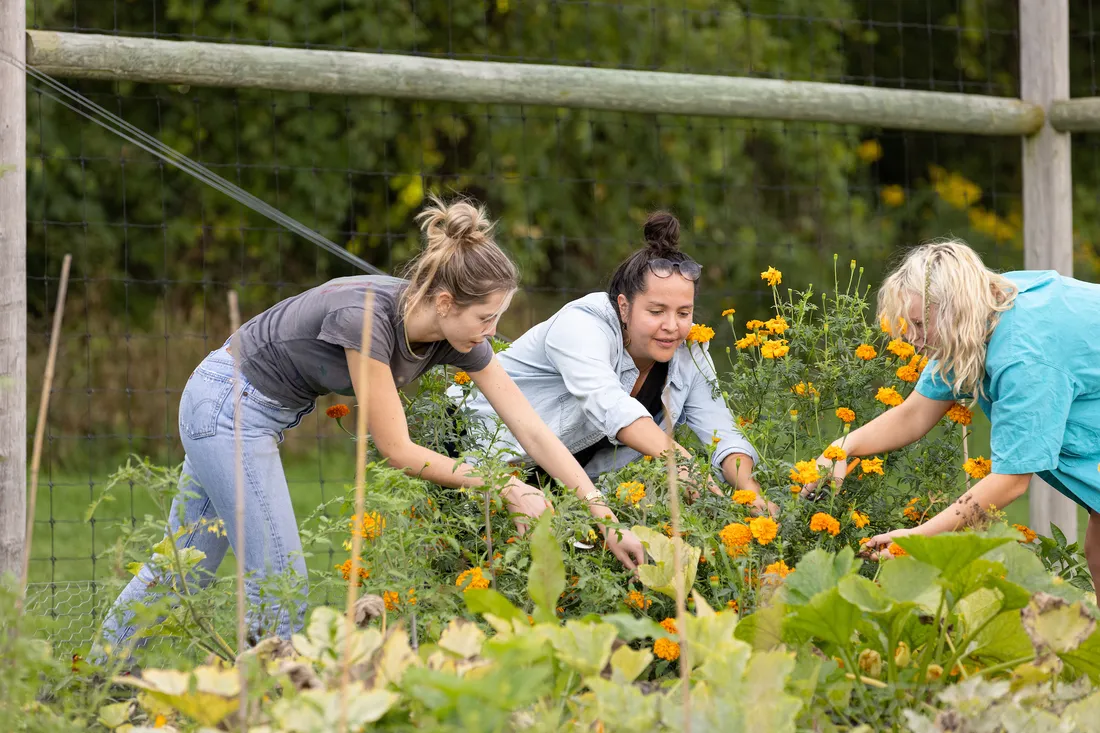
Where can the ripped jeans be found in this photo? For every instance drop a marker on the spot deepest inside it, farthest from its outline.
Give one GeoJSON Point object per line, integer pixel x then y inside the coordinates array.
{"type": "Point", "coordinates": [208, 493]}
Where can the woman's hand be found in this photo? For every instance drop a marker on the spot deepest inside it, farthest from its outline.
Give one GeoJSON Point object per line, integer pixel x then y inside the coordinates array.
{"type": "Point", "coordinates": [524, 500]}
{"type": "Point", "coordinates": [877, 548]}
{"type": "Point", "coordinates": [624, 545]}
{"type": "Point", "coordinates": [762, 507]}
{"type": "Point", "coordinates": [833, 474]}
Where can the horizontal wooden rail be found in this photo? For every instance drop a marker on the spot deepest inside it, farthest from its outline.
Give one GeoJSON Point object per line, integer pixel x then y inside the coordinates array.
{"type": "Point", "coordinates": [1076, 115]}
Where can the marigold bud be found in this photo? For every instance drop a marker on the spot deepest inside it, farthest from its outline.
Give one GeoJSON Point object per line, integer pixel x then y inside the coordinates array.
{"type": "Point", "coordinates": [870, 663]}
{"type": "Point", "coordinates": [902, 655]}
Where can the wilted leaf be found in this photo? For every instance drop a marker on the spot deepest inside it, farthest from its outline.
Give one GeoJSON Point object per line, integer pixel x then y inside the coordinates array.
{"type": "Point", "coordinates": [396, 656]}
{"type": "Point", "coordinates": [1055, 626]}
{"type": "Point", "coordinates": [206, 694]}
{"type": "Point", "coordinates": [320, 711]}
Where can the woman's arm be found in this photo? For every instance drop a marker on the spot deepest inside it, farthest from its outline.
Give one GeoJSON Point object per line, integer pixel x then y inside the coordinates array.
{"type": "Point", "coordinates": [543, 446]}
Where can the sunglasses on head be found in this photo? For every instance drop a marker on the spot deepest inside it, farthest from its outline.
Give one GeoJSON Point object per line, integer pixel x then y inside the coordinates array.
{"type": "Point", "coordinates": [663, 268]}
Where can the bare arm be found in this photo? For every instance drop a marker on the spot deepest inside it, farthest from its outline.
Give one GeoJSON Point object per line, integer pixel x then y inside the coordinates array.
{"type": "Point", "coordinates": [907, 423]}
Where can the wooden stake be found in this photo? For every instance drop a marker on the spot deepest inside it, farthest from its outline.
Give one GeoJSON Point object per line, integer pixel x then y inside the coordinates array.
{"type": "Point", "coordinates": [678, 567]}
{"type": "Point", "coordinates": [238, 477]}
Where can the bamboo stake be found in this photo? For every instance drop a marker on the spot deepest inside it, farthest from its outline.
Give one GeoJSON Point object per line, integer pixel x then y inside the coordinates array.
{"type": "Point", "coordinates": [362, 392]}
{"type": "Point", "coordinates": [678, 567]}
{"type": "Point", "coordinates": [238, 471]}
{"type": "Point", "coordinates": [40, 426]}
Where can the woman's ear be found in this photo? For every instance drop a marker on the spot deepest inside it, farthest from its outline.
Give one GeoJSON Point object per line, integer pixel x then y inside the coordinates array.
{"type": "Point", "coordinates": [624, 308]}
{"type": "Point", "coordinates": [444, 301]}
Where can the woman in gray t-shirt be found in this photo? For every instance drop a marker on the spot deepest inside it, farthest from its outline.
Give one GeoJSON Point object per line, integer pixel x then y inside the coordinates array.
{"type": "Point", "coordinates": [308, 346]}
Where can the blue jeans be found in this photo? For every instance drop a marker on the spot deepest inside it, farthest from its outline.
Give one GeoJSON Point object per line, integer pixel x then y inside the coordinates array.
{"type": "Point", "coordinates": [208, 493]}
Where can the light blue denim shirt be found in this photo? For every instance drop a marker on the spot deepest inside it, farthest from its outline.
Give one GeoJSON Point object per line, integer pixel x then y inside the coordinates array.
{"type": "Point", "coordinates": [576, 373]}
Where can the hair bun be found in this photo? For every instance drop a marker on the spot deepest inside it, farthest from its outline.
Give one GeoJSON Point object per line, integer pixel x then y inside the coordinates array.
{"type": "Point", "coordinates": [662, 234]}
{"type": "Point", "coordinates": [459, 224]}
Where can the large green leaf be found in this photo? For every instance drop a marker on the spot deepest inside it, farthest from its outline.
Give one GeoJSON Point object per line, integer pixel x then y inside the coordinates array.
{"type": "Point", "coordinates": [818, 571]}
{"type": "Point", "coordinates": [1022, 567]}
{"type": "Point", "coordinates": [627, 664]}
{"type": "Point", "coordinates": [632, 628]}
{"type": "Point", "coordinates": [661, 575]}
{"type": "Point", "coordinates": [546, 578]}
{"type": "Point", "coordinates": [950, 552]}
{"type": "Point", "coordinates": [908, 580]}
{"type": "Point", "coordinates": [768, 706]}
{"type": "Point", "coordinates": [584, 647]}
{"type": "Point", "coordinates": [619, 707]}
{"type": "Point", "coordinates": [864, 594]}
{"type": "Point", "coordinates": [487, 600]}
{"type": "Point", "coordinates": [1086, 658]}
{"type": "Point", "coordinates": [827, 616]}
{"type": "Point", "coordinates": [711, 635]}
{"type": "Point", "coordinates": [1002, 640]}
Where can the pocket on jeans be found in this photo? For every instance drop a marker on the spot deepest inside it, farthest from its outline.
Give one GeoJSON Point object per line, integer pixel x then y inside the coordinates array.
{"type": "Point", "coordinates": [201, 405]}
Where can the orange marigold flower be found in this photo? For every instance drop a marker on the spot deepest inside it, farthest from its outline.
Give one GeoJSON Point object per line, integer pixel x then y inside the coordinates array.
{"type": "Point", "coordinates": [907, 373]}
{"type": "Point", "coordinates": [860, 519]}
{"type": "Point", "coordinates": [845, 414]}
{"type": "Point", "coordinates": [635, 599]}
{"type": "Point", "coordinates": [901, 348]}
{"type": "Point", "coordinates": [748, 342]}
{"type": "Point", "coordinates": [743, 421]}
{"type": "Point", "coordinates": [735, 537]}
{"type": "Point", "coordinates": [960, 414]}
{"type": "Point", "coordinates": [764, 529]}
{"type": "Point", "coordinates": [833, 453]}
{"type": "Point", "coordinates": [777, 325]}
{"type": "Point", "coordinates": [978, 468]}
{"type": "Point", "coordinates": [896, 550]}
{"type": "Point", "coordinates": [392, 600]}
{"type": "Point", "coordinates": [802, 389]}
{"type": "Point", "coordinates": [462, 378]}
{"type": "Point", "coordinates": [700, 334]}
{"type": "Point", "coordinates": [728, 312]}
{"type": "Point", "coordinates": [863, 541]}
{"type": "Point", "coordinates": [775, 349]}
{"type": "Point", "coordinates": [822, 522]}
{"type": "Point", "coordinates": [669, 625]}
{"type": "Point", "coordinates": [631, 492]}
{"type": "Point", "coordinates": [772, 276]}
{"type": "Point", "coordinates": [778, 568]}
{"type": "Point", "coordinates": [804, 472]}
{"type": "Point", "coordinates": [338, 411]}
{"type": "Point", "coordinates": [744, 496]}
{"type": "Point", "coordinates": [412, 597]}
{"type": "Point", "coordinates": [866, 352]}
{"type": "Point", "coordinates": [754, 325]}
{"type": "Point", "coordinates": [872, 465]}
{"type": "Point", "coordinates": [475, 578]}
{"type": "Point", "coordinates": [889, 396]}
{"type": "Point", "coordinates": [345, 570]}
{"type": "Point", "coordinates": [1028, 533]}
{"type": "Point", "coordinates": [732, 605]}
{"type": "Point", "coordinates": [666, 649]}
{"type": "Point", "coordinates": [369, 527]}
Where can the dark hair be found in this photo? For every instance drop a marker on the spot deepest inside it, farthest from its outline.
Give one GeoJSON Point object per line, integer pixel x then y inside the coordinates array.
{"type": "Point", "coordinates": [662, 240]}
{"type": "Point", "coordinates": [460, 256]}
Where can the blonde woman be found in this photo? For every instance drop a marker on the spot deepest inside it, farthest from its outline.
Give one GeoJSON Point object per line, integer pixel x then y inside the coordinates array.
{"type": "Point", "coordinates": [307, 346]}
{"type": "Point", "coordinates": [1026, 346]}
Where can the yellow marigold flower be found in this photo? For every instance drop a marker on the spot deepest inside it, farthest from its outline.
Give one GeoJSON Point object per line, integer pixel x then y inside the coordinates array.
{"type": "Point", "coordinates": [892, 195]}
{"type": "Point", "coordinates": [872, 465]}
{"type": "Point", "coordinates": [794, 414]}
{"type": "Point", "coordinates": [912, 512]}
{"type": "Point", "coordinates": [896, 550]}
{"type": "Point", "coordinates": [772, 276]}
{"type": "Point", "coordinates": [669, 625]}
{"type": "Point", "coordinates": [412, 597]}
{"type": "Point", "coordinates": [775, 349]}
{"type": "Point", "coordinates": [860, 519]}
{"type": "Point", "coordinates": [1028, 533]}
{"type": "Point", "coordinates": [833, 453]}
{"type": "Point", "coordinates": [749, 341]}
{"type": "Point", "coordinates": [960, 414]}
{"type": "Point", "coordinates": [666, 649]}
{"type": "Point", "coordinates": [462, 378]}
{"type": "Point", "coordinates": [901, 348]}
{"type": "Point", "coordinates": [822, 522]}
{"type": "Point", "coordinates": [978, 468]}
{"type": "Point", "coordinates": [635, 599]}
{"type": "Point", "coordinates": [869, 151]}
{"type": "Point", "coordinates": [863, 541]}
{"type": "Point", "coordinates": [338, 411]}
{"type": "Point", "coordinates": [475, 578]}
{"type": "Point", "coordinates": [908, 373]}
{"type": "Point", "coordinates": [392, 600]}
{"type": "Point", "coordinates": [345, 570]}
{"type": "Point", "coordinates": [804, 472]}
{"type": "Point", "coordinates": [744, 496]}
{"type": "Point", "coordinates": [369, 527]}
{"type": "Point", "coordinates": [764, 529]}
{"type": "Point", "coordinates": [845, 414]}
{"type": "Point", "coordinates": [777, 325]}
{"type": "Point", "coordinates": [732, 605]}
{"type": "Point", "coordinates": [631, 491]}
{"type": "Point", "coordinates": [884, 324]}
{"type": "Point", "coordinates": [802, 389]}
{"type": "Point", "coordinates": [714, 439]}
{"type": "Point", "coordinates": [889, 396]}
{"type": "Point", "coordinates": [700, 334]}
{"type": "Point", "coordinates": [728, 312]}
{"type": "Point", "coordinates": [778, 568]}
{"type": "Point", "coordinates": [866, 352]}
{"type": "Point", "coordinates": [735, 537]}
{"type": "Point", "coordinates": [647, 459]}
{"type": "Point", "coordinates": [754, 325]}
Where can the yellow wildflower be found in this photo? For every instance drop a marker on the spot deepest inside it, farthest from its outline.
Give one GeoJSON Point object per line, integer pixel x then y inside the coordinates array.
{"type": "Point", "coordinates": [744, 496]}
{"type": "Point", "coordinates": [908, 373]}
{"type": "Point", "coordinates": [700, 334]}
{"type": "Point", "coordinates": [631, 491]}
{"type": "Point", "coordinates": [728, 312]}
{"type": "Point", "coordinates": [777, 325]}
{"type": "Point", "coordinates": [845, 414]}
{"type": "Point", "coordinates": [901, 348]}
{"type": "Point", "coordinates": [778, 568]}
{"type": "Point", "coordinates": [475, 578]}
{"type": "Point", "coordinates": [833, 453]}
{"type": "Point", "coordinates": [635, 599]}
{"type": "Point", "coordinates": [749, 341]}
{"type": "Point", "coordinates": [764, 529]}
{"type": "Point", "coordinates": [462, 378]}
{"type": "Point", "coordinates": [392, 600]}
{"type": "Point", "coordinates": [978, 468]}
{"type": "Point", "coordinates": [872, 465]}
{"type": "Point", "coordinates": [822, 522]}
{"type": "Point", "coordinates": [892, 195]}
{"type": "Point", "coordinates": [754, 325]}
{"type": "Point", "coordinates": [866, 352]}
{"type": "Point", "coordinates": [345, 570]}
{"type": "Point", "coordinates": [896, 550]}
{"type": "Point", "coordinates": [772, 276]}
{"type": "Point", "coordinates": [775, 349]}
{"type": "Point", "coordinates": [1028, 533]}
{"type": "Point", "coordinates": [869, 151]}
{"type": "Point", "coordinates": [804, 472]}
{"type": "Point", "coordinates": [369, 527]}
{"type": "Point", "coordinates": [889, 396]}
{"type": "Point", "coordinates": [802, 389]}
{"type": "Point", "coordinates": [735, 537]}
{"type": "Point", "coordinates": [960, 414]}
{"type": "Point", "coordinates": [669, 625]}
{"type": "Point", "coordinates": [860, 519]}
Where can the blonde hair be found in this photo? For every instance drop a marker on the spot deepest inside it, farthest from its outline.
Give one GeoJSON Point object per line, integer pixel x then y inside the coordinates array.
{"type": "Point", "coordinates": [949, 278]}
{"type": "Point", "coordinates": [460, 257]}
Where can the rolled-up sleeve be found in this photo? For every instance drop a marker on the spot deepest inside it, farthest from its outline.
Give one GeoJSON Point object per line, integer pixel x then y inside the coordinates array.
{"type": "Point", "coordinates": [708, 416]}
{"type": "Point", "coordinates": [579, 346]}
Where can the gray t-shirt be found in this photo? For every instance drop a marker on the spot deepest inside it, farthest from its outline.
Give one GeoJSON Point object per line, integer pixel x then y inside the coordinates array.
{"type": "Point", "coordinates": [294, 351]}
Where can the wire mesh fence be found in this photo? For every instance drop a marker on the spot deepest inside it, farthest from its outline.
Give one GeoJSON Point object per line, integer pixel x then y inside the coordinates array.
{"type": "Point", "coordinates": [156, 252]}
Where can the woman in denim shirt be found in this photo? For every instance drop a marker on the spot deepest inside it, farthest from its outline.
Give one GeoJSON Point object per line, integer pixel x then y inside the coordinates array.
{"type": "Point", "coordinates": [596, 371]}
